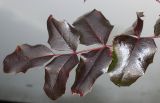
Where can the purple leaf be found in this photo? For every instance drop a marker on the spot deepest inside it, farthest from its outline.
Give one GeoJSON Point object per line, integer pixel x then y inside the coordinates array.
{"type": "Point", "coordinates": [157, 28]}
{"type": "Point", "coordinates": [25, 57]}
{"type": "Point", "coordinates": [131, 57]}
{"type": "Point", "coordinates": [93, 28]}
{"type": "Point", "coordinates": [158, 1]}
{"type": "Point", "coordinates": [137, 26]}
{"type": "Point", "coordinates": [62, 36]}
{"type": "Point", "coordinates": [57, 73]}
{"type": "Point", "coordinates": [92, 65]}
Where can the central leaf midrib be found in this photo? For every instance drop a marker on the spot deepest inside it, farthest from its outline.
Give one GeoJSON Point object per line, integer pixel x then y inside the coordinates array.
{"type": "Point", "coordinates": [94, 33]}
{"type": "Point", "coordinates": [62, 67]}
{"type": "Point", "coordinates": [57, 28]}
{"type": "Point", "coordinates": [98, 56]}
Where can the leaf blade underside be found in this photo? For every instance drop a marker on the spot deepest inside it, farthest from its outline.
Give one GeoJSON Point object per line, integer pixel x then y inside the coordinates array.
{"type": "Point", "coordinates": [92, 65]}
{"type": "Point", "coordinates": [57, 73]}
{"type": "Point", "coordinates": [26, 57]}
{"type": "Point", "coordinates": [133, 56]}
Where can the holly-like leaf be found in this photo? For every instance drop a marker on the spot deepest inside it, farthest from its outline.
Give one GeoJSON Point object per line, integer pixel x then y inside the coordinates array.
{"type": "Point", "coordinates": [157, 28]}
{"type": "Point", "coordinates": [62, 36]}
{"type": "Point", "coordinates": [93, 28]}
{"type": "Point", "coordinates": [92, 65]}
{"type": "Point", "coordinates": [131, 54]}
{"type": "Point", "coordinates": [57, 73]}
{"type": "Point", "coordinates": [131, 57]}
{"type": "Point", "coordinates": [137, 26]}
{"type": "Point", "coordinates": [25, 57]}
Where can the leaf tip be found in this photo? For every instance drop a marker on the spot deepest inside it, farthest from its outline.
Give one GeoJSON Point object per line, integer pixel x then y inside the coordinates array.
{"type": "Point", "coordinates": [140, 14]}
{"type": "Point", "coordinates": [77, 92]}
{"type": "Point", "coordinates": [50, 16]}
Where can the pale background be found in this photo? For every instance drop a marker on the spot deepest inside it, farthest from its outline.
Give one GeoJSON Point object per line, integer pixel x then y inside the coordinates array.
{"type": "Point", "coordinates": [24, 21]}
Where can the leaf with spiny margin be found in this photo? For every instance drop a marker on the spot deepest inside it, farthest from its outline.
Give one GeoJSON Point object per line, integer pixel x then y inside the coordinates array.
{"type": "Point", "coordinates": [26, 57]}
{"type": "Point", "coordinates": [57, 73]}
{"type": "Point", "coordinates": [137, 26]}
{"type": "Point", "coordinates": [93, 28]}
{"type": "Point", "coordinates": [157, 28]}
{"type": "Point", "coordinates": [131, 57]}
{"type": "Point", "coordinates": [92, 65]}
{"type": "Point", "coordinates": [62, 36]}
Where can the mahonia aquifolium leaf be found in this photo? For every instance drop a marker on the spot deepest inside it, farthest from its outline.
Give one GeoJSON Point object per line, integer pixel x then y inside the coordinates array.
{"type": "Point", "coordinates": [92, 65]}
{"type": "Point", "coordinates": [137, 26]}
{"type": "Point", "coordinates": [93, 28]}
{"type": "Point", "coordinates": [131, 54]}
{"type": "Point", "coordinates": [26, 57]}
{"type": "Point", "coordinates": [157, 28]}
{"type": "Point", "coordinates": [57, 73]}
{"type": "Point", "coordinates": [131, 57]}
{"type": "Point", "coordinates": [62, 36]}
